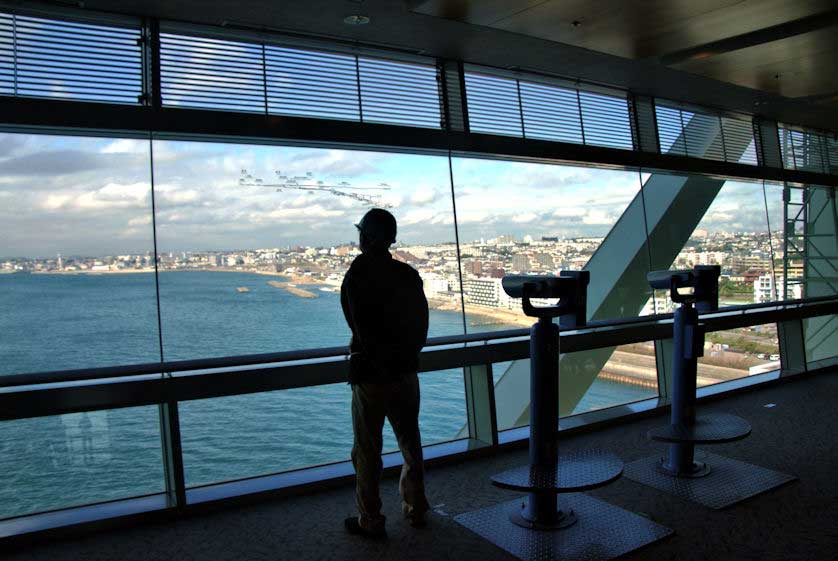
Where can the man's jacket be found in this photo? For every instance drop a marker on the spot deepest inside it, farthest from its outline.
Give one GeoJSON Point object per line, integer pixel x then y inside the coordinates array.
{"type": "Point", "coordinates": [386, 309]}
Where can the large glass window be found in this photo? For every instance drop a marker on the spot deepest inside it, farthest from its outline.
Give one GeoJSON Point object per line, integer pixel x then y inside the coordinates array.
{"type": "Point", "coordinates": [541, 219]}
{"type": "Point", "coordinates": [298, 428]}
{"type": "Point", "coordinates": [703, 221]}
{"type": "Point", "coordinates": [56, 462]}
{"type": "Point", "coordinates": [736, 353]}
{"type": "Point", "coordinates": [252, 242]}
{"type": "Point", "coordinates": [76, 290]}
{"type": "Point", "coordinates": [77, 282]}
{"type": "Point", "coordinates": [253, 245]}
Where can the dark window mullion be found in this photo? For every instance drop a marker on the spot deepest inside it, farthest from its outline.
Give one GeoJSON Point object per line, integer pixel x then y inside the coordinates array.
{"type": "Point", "coordinates": [358, 85]}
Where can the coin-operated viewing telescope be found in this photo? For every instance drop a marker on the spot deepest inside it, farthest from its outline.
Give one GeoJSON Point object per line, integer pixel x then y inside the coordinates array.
{"type": "Point", "coordinates": [685, 430]}
{"type": "Point", "coordinates": [543, 525]}
{"type": "Point", "coordinates": [696, 475]}
{"type": "Point", "coordinates": [703, 280]}
{"type": "Point", "coordinates": [548, 474]}
{"type": "Point", "coordinates": [571, 288]}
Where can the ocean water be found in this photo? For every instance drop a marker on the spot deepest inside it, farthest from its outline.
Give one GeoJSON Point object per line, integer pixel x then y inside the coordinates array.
{"type": "Point", "coordinates": [55, 322]}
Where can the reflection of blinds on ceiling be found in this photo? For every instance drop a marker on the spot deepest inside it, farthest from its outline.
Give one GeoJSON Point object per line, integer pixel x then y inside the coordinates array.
{"type": "Point", "coordinates": [808, 150]}
{"type": "Point", "coordinates": [236, 76]}
{"type": "Point", "coordinates": [512, 107]}
{"type": "Point", "coordinates": [67, 60]}
{"type": "Point", "coordinates": [705, 135]}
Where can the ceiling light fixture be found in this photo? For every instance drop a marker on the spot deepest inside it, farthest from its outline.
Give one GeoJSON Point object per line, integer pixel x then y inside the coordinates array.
{"type": "Point", "coordinates": [356, 20]}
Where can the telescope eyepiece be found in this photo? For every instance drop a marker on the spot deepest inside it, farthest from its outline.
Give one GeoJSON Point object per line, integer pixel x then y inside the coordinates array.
{"type": "Point", "coordinates": [704, 279]}
{"type": "Point", "coordinates": [664, 280]}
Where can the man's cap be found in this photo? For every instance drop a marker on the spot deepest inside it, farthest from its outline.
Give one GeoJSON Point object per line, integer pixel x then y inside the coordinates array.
{"type": "Point", "coordinates": [378, 225]}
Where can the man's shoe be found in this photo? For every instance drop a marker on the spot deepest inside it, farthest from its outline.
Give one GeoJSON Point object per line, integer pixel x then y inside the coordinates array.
{"type": "Point", "coordinates": [354, 527]}
{"type": "Point", "coordinates": [418, 521]}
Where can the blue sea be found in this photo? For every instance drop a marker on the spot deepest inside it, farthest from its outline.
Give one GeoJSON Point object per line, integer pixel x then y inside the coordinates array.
{"type": "Point", "coordinates": [57, 322]}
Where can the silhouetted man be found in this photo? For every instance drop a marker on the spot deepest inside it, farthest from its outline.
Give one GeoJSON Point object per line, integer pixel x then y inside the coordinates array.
{"type": "Point", "coordinates": [386, 309]}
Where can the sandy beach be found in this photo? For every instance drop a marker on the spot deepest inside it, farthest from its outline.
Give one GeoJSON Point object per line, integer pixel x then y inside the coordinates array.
{"type": "Point", "coordinates": [481, 315]}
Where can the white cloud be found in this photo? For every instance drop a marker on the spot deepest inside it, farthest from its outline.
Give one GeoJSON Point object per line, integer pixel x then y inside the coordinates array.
{"type": "Point", "coordinates": [126, 146]}
{"type": "Point", "coordinates": [524, 218]}
{"type": "Point", "coordinates": [299, 214]}
{"type": "Point", "coordinates": [716, 216]}
{"type": "Point", "coordinates": [114, 195]}
{"type": "Point", "coordinates": [597, 218]}
{"type": "Point", "coordinates": [417, 216]}
{"type": "Point", "coordinates": [568, 211]}
{"type": "Point", "coordinates": [390, 199]}
{"type": "Point", "coordinates": [143, 220]}
{"type": "Point", "coordinates": [111, 196]}
{"type": "Point", "coordinates": [472, 217]}
{"type": "Point", "coordinates": [423, 196]}
{"type": "Point", "coordinates": [179, 197]}
{"type": "Point", "coordinates": [56, 201]}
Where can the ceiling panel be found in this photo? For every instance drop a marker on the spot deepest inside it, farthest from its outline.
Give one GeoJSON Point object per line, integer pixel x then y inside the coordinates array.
{"type": "Point", "coordinates": [627, 28]}
{"type": "Point", "coordinates": [485, 12]}
{"type": "Point", "coordinates": [792, 67]}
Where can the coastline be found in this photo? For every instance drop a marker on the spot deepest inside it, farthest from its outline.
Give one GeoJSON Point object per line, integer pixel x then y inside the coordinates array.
{"type": "Point", "coordinates": [293, 278]}
{"type": "Point", "coordinates": [490, 316]}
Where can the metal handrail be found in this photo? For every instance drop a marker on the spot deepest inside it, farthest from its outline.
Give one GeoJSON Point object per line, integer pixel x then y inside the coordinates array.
{"type": "Point", "coordinates": [715, 320]}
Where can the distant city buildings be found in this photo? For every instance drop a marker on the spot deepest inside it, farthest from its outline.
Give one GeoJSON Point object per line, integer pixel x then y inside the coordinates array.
{"type": "Point", "coordinates": [768, 288]}
{"type": "Point", "coordinates": [745, 259]}
{"type": "Point", "coordinates": [489, 293]}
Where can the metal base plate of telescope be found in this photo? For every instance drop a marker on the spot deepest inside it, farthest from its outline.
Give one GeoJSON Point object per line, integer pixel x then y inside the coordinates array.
{"type": "Point", "coordinates": [554, 521]}
{"type": "Point", "coordinates": [728, 482]}
{"type": "Point", "coordinates": [602, 531]}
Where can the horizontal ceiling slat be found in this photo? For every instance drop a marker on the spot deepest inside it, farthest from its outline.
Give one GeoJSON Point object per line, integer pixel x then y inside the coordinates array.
{"type": "Point", "coordinates": [605, 120]}
{"type": "Point", "coordinates": [493, 105]}
{"type": "Point", "coordinates": [399, 93]}
{"type": "Point", "coordinates": [216, 74]}
{"type": "Point", "coordinates": [705, 134]}
{"type": "Point", "coordinates": [808, 150]}
{"type": "Point", "coordinates": [551, 113]}
{"type": "Point", "coordinates": [69, 60]}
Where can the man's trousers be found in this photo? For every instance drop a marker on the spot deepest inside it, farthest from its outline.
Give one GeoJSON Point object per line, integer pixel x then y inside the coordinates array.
{"type": "Point", "coordinates": [399, 403]}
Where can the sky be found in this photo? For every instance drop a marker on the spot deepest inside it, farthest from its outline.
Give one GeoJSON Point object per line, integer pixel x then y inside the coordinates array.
{"type": "Point", "coordinates": [92, 196]}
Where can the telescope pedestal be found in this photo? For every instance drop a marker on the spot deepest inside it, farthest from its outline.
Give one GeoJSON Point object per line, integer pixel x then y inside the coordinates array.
{"type": "Point", "coordinates": [548, 474]}
{"type": "Point", "coordinates": [554, 520]}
